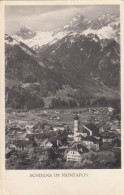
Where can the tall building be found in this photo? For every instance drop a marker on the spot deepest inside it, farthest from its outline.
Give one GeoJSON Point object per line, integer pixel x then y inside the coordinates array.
{"type": "Point", "coordinates": [76, 125]}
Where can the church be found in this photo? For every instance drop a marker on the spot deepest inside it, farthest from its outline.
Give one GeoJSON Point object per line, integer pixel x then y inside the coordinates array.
{"type": "Point", "coordinates": [87, 134]}
{"type": "Point", "coordinates": [80, 130]}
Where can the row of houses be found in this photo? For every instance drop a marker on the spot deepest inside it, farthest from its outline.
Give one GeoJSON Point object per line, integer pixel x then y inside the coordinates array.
{"type": "Point", "coordinates": [83, 139]}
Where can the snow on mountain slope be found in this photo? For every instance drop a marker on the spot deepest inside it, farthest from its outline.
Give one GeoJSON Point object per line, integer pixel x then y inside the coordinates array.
{"type": "Point", "coordinates": [41, 38]}
{"type": "Point", "coordinates": [38, 39]}
{"type": "Point", "coordinates": [105, 27]}
{"type": "Point", "coordinates": [104, 33]}
{"type": "Point", "coordinates": [13, 42]}
{"type": "Point", "coordinates": [82, 54]}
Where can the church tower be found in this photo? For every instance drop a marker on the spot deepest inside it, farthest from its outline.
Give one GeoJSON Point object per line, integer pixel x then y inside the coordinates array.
{"type": "Point", "coordinates": [76, 125]}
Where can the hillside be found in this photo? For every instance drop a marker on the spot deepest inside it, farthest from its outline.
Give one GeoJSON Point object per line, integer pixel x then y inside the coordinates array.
{"type": "Point", "coordinates": [23, 66]}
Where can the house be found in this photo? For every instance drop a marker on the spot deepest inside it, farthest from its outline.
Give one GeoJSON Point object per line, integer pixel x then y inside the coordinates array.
{"type": "Point", "coordinates": [57, 112]}
{"type": "Point", "coordinates": [58, 127]}
{"type": "Point", "coordinates": [76, 146]}
{"type": "Point", "coordinates": [78, 137]}
{"type": "Point", "coordinates": [29, 126]}
{"type": "Point", "coordinates": [110, 109]}
{"type": "Point", "coordinates": [91, 142]}
{"type": "Point", "coordinates": [61, 150]}
{"type": "Point", "coordinates": [117, 143]}
{"type": "Point", "coordinates": [101, 130]}
{"type": "Point", "coordinates": [15, 131]}
{"type": "Point", "coordinates": [70, 135]}
{"type": "Point", "coordinates": [56, 142]}
{"type": "Point", "coordinates": [83, 132]}
{"type": "Point", "coordinates": [107, 139]}
{"type": "Point", "coordinates": [12, 146]}
{"type": "Point", "coordinates": [93, 129]}
{"type": "Point", "coordinates": [107, 142]}
{"type": "Point", "coordinates": [73, 155]}
{"type": "Point", "coordinates": [23, 144]}
{"type": "Point", "coordinates": [21, 136]}
{"type": "Point", "coordinates": [63, 147]}
{"type": "Point", "coordinates": [96, 112]}
{"type": "Point", "coordinates": [29, 131]}
{"type": "Point", "coordinates": [82, 148]}
{"type": "Point", "coordinates": [45, 112]}
{"type": "Point", "coordinates": [46, 143]}
{"type": "Point", "coordinates": [113, 127]}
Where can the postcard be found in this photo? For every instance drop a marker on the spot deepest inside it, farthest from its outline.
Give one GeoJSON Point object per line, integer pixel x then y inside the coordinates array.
{"type": "Point", "coordinates": [61, 102]}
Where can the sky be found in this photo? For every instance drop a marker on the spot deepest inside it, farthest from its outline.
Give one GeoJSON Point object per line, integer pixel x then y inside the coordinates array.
{"type": "Point", "coordinates": [46, 18]}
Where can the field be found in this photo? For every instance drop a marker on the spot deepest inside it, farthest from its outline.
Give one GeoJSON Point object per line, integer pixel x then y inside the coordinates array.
{"type": "Point", "coordinates": [56, 116]}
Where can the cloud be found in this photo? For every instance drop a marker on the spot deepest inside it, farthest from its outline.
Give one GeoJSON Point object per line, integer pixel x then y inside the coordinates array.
{"type": "Point", "coordinates": [44, 21]}
{"type": "Point", "coordinates": [50, 17]}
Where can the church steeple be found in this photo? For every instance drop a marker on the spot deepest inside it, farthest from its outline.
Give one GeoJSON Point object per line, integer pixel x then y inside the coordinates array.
{"type": "Point", "coordinates": [76, 117]}
{"type": "Point", "coordinates": [76, 125]}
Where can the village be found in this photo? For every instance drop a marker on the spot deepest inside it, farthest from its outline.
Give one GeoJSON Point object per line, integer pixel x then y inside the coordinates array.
{"type": "Point", "coordinates": [63, 139]}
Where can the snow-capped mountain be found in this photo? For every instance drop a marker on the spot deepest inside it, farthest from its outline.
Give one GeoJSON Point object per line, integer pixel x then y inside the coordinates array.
{"type": "Point", "coordinates": [105, 27]}
{"type": "Point", "coordinates": [84, 55]}
{"type": "Point", "coordinates": [78, 24]}
{"type": "Point", "coordinates": [39, 38]}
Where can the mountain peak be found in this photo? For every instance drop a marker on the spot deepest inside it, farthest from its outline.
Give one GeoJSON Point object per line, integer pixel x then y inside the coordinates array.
{"type": "Point", "coordinates": [25, 32]}
{"type": "Point", "coordinates": [78, 23]}
{"type": "Point", "coordinates": [78, 18]}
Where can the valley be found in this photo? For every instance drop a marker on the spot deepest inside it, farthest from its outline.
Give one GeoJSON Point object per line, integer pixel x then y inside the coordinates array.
{"type": "Point", "coordinates": [62, 96]}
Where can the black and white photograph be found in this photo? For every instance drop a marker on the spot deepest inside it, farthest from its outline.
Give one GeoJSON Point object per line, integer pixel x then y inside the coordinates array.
{"type": "Point", "coordinates": [62, 87]}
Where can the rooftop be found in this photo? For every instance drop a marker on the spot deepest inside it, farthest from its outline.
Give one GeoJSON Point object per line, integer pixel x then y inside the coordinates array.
{"type": "Point", "coordinates": [79, 135]}
{"type": "Point", "coordinates": [90, 138]}
{"type": "Point", "coordinates": [93, 128]}
{"type": "Point", "coordinates": [59, 125]}
{"type": "Point", "coordinates": [82, 130]}
{"type": "Point", "coordinates": [23, 143]}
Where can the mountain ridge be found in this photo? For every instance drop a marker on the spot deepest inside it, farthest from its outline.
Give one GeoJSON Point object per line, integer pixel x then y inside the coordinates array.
{"type": "Point", "coordinates": [78, 24]}
{"type": "Point", "coordinates": [77, 59]}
